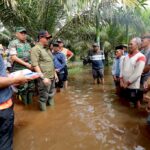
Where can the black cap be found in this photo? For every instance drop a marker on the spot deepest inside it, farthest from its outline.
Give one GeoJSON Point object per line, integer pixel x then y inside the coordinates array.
{"type": "Point", "coordinates": [55, 44]}
{"type": "Point", "coordinates": [44, 33]}
{"type": "Point", "coordinates": [119, 47]}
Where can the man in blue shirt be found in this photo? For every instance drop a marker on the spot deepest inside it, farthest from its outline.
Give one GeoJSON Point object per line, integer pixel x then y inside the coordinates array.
{"type": "Point", "coordinates": [116, 69]}
{"type": "Point", "coordinates": [97, 57]}
{"type": "Point", "coordinates": [59, 64]}
{"type": "Point", "coordinates": [6, 106]}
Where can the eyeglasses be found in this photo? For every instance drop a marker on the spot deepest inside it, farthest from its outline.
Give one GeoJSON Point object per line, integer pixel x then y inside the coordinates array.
{"type": "Point", "coordinates": [45, 37]}
{"type": "Point", "coordinates": [48, 37]}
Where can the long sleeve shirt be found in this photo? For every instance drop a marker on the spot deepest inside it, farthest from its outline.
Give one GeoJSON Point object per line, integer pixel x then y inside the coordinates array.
{"type": "Point", "coordinates": [116, 67]}
{"type": "Point", "coordinates": [59, 61]}
{"type": "Point", "coordinates": [131, 69]}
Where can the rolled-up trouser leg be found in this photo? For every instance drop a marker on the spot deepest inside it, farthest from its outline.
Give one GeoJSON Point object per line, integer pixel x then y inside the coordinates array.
{"type": "Point", "coordinates": [6, 129]}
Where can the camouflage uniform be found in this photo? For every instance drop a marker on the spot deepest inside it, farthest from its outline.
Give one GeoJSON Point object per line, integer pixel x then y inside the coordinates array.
{"type": "Point", "coordinates": [22, 50]}
{"type": "Point", "coordinates": [43, 58]}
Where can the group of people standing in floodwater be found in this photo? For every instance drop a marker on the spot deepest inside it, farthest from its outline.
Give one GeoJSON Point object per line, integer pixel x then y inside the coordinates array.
{"type": "Point", "coordinates": [131, 72]}
{"type": "Point", "coordinates": [47, 60]}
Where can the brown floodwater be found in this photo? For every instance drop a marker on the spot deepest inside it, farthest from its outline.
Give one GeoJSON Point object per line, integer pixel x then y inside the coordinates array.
{"type": "Point", "coordinates": [85, 117]}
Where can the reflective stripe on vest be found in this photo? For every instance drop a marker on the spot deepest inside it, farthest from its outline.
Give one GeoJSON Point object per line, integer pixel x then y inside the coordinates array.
{"type": "Point", "coordinates": [6, 104]}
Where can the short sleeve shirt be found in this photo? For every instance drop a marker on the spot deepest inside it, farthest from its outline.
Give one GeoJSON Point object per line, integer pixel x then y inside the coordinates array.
{"type": "Point", "coordinates": [97, 59]}
{"type": "Point", "coordinates": [22, 50]}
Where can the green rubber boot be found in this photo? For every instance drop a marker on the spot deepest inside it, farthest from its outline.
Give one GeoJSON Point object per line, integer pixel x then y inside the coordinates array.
{"type": "Point", "coordinates": [24, 99]}
{"type": "Point", "coordinates": [30, 97]}
{"type": "Point", "coordinates": [42, 106]}
{"type": "Point", "coordinates": [51, 102]}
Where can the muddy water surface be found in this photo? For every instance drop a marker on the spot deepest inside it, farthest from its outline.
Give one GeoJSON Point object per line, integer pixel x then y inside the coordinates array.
{"type": "Point", "coordinates": [85, 117]}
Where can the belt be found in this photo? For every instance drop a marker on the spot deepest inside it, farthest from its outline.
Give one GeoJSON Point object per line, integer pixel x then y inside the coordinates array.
{"type": "Point", "coordinates": [6, 104]}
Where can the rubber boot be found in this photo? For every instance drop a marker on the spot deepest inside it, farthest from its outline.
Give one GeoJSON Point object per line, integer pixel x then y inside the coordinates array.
{"type": "Point", "coordinates": [24, 99]}
{"type": "Point", "coordinates": [30, 97]}
{"type": "Point", "coordinates": [42, 106]}
{"type": "Point", "coordinates": [51, 102]}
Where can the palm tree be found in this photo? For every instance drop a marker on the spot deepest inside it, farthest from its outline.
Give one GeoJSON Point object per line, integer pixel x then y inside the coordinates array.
{"type": "Point", "coordinates": [32, 14]}
{"type": "Point", "coordinates": [102, 7]}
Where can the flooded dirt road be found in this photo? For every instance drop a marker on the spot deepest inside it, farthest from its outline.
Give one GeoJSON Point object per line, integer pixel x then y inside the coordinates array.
{"type": "Point", "coordinates": [85, 117]}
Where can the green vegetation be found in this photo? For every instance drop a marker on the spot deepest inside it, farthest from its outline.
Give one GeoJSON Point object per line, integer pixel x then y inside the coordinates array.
{"type": "Point", "coordinates": [78, 22]}
{"type": "Point", "coordinates": [75, 70]}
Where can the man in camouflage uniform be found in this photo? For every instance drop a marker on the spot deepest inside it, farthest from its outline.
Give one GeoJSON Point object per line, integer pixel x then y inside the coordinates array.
{"type": "Point", "coordinates": [20, 56]}
{"type": "Point", "coordinates": [42, 61]}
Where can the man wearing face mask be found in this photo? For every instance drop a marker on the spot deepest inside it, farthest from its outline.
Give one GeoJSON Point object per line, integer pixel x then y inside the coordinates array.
{"type": "Point", "coordinates": [42, 62]}
{"type": "Point", "coordinates": [20, 56]}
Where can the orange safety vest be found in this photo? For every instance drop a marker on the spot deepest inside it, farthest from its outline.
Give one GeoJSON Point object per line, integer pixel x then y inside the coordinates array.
{"type": "Point", "coordinates": [6, 104]}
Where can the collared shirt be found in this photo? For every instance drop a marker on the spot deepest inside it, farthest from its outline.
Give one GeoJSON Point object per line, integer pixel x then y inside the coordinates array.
{"type": "Point", "coordinates": [43, 58]}
{"type": "Point", "coordinates": [5, 93]}
{"type": "Point", "coordinates": [116, 67]}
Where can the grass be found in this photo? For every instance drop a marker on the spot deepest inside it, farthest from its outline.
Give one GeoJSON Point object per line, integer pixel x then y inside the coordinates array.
{"type": "Point", "coordinates": [74, 69]}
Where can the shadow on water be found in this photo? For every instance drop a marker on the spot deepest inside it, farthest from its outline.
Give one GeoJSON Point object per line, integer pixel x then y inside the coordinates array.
{"type": "Point", "coordinates": [85, 117]}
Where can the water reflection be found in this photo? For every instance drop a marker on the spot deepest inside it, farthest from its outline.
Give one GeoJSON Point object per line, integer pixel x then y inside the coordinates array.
{"type": "Point", "coordinates": [85, 117]}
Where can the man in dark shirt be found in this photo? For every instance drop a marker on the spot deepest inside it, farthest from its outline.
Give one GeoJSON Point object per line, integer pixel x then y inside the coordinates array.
{"type": "Point", "coordinates": [97, 57]}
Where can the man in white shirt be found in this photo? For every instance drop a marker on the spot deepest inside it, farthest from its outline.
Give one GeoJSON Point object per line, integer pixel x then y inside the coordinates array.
{"type": "Point", "coordinates": [131, 71]}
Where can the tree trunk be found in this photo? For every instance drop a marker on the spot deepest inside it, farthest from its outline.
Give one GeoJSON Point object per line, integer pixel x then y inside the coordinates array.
{"type": "Point", "coordinates": [97, 30]}
{"type": "Point", "coordinates": [127, 33]}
